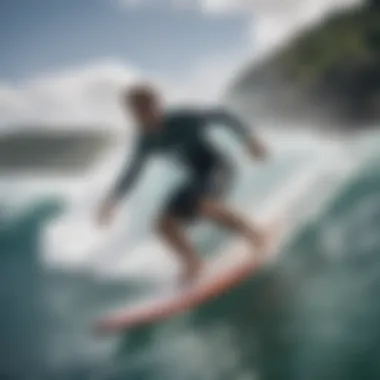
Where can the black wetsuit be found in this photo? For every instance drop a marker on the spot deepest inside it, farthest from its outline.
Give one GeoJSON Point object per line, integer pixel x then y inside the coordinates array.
{"type": "Point", "coordinates": [181, 134]}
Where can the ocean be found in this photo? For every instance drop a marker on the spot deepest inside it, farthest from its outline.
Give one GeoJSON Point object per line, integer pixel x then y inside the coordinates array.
{"type": "Point", "coordinates": [312, 314]}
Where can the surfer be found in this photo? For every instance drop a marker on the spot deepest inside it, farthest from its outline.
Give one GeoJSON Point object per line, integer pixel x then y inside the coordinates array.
{"type": "Point", "coordinates": [180, 133]}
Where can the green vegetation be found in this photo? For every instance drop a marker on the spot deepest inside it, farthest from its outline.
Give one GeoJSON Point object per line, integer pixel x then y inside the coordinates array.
{"type": "Point", "coordinates": [340, 60]}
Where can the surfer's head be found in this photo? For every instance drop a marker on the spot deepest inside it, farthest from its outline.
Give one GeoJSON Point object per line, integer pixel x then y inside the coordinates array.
{"type": "Point", "coordinates": [144, 103]}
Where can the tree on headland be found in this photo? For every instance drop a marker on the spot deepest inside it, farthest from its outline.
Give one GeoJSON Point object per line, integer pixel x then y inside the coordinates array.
{"type": "Point", "coordinates": [374, 3]}
{"type": "Point", "coordinates": [334, 66]}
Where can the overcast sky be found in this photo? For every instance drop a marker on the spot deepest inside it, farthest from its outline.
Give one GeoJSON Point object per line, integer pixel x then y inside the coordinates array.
{"type": "Point", "coordinates": [66, 59]}
{"type": "Point", "coordinates": [50, 35]}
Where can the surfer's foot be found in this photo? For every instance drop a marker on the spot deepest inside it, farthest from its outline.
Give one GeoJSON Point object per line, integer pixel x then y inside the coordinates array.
{"type": "Point", "coordinates": [261, 242]}
{"type": "Point", "coordinates": [192, 272]}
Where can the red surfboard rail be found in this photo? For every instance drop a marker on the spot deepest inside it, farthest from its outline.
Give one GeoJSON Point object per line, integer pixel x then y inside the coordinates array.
{"type": "Point", "coordinates": [179, 303]}
{"type": "Point", "coordinates": [240, 265]}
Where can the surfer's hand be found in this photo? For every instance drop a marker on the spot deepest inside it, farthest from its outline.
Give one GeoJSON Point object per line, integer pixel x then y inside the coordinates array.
{"type": "Point", "coordinates": [106, 212]}
{"type": "Point", "coordinates": [257, 149]}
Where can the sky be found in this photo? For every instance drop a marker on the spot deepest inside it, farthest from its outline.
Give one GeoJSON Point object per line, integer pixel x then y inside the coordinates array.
{"type": "Point", "coordinates": [65, 60]}
{"type": "Point", "coordinates": [48, 35]}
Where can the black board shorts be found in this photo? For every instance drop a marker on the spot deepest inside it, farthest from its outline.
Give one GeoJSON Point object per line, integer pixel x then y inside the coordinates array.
{"type": "Point", "coordinates": [215, 184]}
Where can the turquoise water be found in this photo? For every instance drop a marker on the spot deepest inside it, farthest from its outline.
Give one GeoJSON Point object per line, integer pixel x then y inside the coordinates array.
{"type": "Point", "coordinates": [312, 315]}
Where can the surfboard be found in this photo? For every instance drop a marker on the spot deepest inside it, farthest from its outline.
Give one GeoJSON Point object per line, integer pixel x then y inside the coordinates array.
{"type": "Point", "coordinates": [229, 268]}
{"type": "Point", "coordinates": [220, 274]}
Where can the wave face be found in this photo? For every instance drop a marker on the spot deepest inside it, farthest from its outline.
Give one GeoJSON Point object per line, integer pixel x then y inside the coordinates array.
{"type": "Point", "coordinates": [312, 315]}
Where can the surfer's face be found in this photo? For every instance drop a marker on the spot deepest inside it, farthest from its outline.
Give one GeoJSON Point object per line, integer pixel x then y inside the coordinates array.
{"type": "Point", "coordinates": [145, 106]}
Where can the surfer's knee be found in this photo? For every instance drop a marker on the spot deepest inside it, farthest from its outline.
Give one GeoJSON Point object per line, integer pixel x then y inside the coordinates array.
{"type": "Point", "coordinates": [210, 208]}
{"type": "Point", "coordinates": [163, 225]}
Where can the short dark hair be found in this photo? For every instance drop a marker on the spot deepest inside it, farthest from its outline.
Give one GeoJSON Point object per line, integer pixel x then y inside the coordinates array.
{"type": "Point", "coordinates": [140, 93]}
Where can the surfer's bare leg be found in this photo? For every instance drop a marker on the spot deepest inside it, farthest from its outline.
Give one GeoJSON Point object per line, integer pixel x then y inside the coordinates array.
{"type": "Point", "coordinates": [225, 216]}
{"type": "Point", "coordinates": [170, 229]}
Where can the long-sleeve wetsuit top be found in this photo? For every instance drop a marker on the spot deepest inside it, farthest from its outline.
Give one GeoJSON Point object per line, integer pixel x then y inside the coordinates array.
{"type": "Point", "coordinates": [180, 133]}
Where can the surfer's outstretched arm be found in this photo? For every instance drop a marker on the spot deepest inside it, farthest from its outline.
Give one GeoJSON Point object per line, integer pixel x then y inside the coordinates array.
{"type": "Point", "coordinates": [234, 123]}
{"type": "Point", "coordinates": [129, 174]}
{"type": "Point", "coordinates": [124, 184]}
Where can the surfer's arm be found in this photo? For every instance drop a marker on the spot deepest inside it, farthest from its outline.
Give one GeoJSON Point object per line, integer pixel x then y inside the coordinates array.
{"type": "Point", "coordinates": [129, 174]}
{"type": "Point", "coordinates": [255, 146]}
{"type": "Point", "coordinates": [123, 185]}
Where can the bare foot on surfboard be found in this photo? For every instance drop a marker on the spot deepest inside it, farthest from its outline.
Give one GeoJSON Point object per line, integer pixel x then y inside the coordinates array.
{"type": "Point", "coordinates": [263, 242]}
{"type": "Point", "coordinates": [191, 273]}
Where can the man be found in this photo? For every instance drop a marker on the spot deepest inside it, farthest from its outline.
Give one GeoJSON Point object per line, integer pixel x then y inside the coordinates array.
{"type": "Point", "coordinates": [181, 132]}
